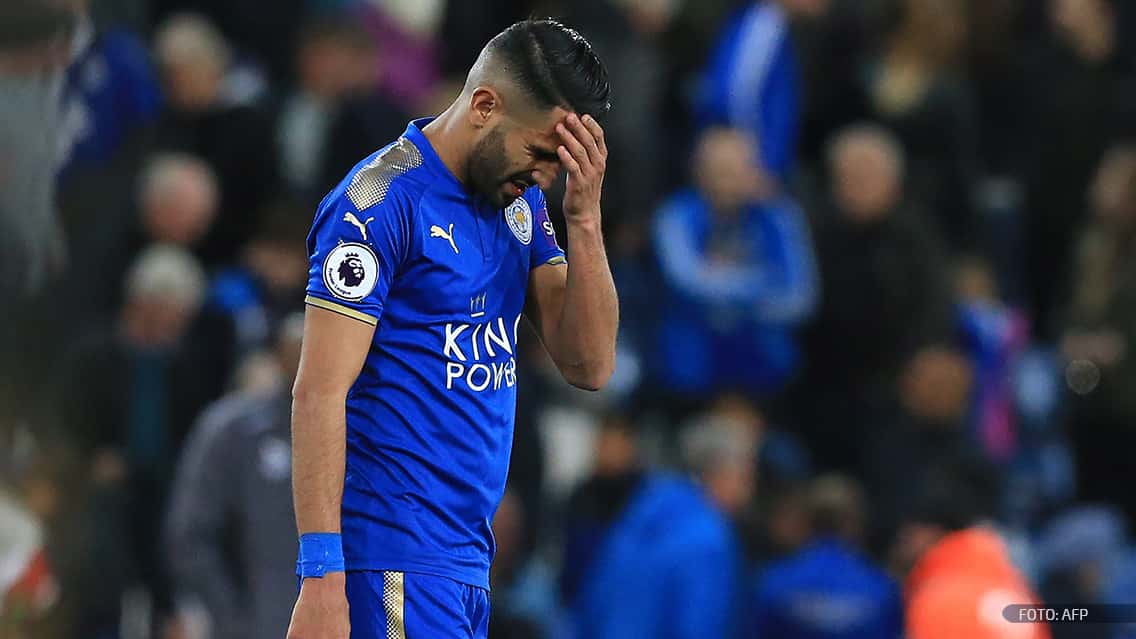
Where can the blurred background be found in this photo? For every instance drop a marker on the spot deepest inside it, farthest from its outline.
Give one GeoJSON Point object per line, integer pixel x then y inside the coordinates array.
{"type": "Point", "coordinates": [877, 268]}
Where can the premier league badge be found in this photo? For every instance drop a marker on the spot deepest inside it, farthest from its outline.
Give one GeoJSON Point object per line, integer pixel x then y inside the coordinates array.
{"type": "Point", "coordinates": [351, 271]}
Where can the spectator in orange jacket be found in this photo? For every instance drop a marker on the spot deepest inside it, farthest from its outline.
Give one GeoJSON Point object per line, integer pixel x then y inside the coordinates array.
{"type": "Point", "coordinates": [961, 577]}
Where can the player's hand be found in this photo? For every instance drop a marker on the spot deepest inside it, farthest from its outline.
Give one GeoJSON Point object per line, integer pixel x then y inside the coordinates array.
{"type": "Point", "coordinates": [321, 609]}
{"type": "Point", "coordinates": [583, 153]}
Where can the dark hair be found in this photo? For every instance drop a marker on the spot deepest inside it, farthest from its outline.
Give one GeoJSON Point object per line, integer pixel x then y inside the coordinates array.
{"type": "Point", "coordinates": [555, 66]}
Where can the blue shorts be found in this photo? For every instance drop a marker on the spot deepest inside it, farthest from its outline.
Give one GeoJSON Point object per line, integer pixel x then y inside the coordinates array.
{"type": "Point", "coordinates": [402, 605]}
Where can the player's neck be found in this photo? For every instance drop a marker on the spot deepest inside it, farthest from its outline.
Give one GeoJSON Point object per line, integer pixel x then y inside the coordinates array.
{"type": "Point", "coordinates": [445, 137]}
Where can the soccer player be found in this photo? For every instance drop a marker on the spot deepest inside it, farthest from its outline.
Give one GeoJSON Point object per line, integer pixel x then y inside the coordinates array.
{"type": "Point", "coordinates": [423, 261]}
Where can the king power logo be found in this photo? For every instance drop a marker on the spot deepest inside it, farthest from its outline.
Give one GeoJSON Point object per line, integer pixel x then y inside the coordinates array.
{"type": "Point", "coordinates": [481, 356]}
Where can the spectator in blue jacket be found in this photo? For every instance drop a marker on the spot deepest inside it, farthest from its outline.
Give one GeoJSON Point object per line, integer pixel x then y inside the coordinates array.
{"type": "Point", "coordinates": [109, 96]}
{"type": "Point", "coordinates": [739, 276]}
{"type": "Point", "coordinates": [668, 568]}
{"type": "Point", "coordinates": [752, 81]}
{"type": "Point", "coordinates": [828, 590]}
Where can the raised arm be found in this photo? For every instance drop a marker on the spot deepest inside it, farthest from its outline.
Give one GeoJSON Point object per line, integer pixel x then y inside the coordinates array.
{"type": "Point", "coordinates": [574, 307]}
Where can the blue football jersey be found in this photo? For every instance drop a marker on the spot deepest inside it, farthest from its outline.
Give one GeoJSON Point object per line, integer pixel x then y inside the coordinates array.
{"type": "Point", "coordinates": [442, 274]}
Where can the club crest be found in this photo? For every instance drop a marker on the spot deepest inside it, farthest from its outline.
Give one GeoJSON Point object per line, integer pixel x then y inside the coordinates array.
{"type": "Point", "coordinates": [520, 219]}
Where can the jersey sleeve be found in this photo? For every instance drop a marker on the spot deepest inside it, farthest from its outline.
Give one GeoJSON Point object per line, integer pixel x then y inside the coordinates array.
{"type": "Point", "coordinates": [354, 255]}
{"type": "Point", "coordinates": [544, 248]}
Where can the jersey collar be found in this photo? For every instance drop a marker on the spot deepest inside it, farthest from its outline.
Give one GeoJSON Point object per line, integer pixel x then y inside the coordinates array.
{"type": "Point", "coordinates": [430, 158]}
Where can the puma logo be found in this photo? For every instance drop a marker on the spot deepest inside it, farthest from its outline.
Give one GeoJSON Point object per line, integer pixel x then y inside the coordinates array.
{"type": "Point", "coordinates": [354, 221]}
{"type": "Point", "coordinates": [437, 231]}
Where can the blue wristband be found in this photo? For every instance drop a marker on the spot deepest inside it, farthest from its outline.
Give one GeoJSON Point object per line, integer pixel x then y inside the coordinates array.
{"type": "Point", "coordinates": [320, 553]}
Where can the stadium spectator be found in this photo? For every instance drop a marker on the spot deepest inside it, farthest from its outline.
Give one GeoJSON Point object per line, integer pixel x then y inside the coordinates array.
{"type": "Point", "coordinates": [131, 393]}
{"type": "Point", "coordinates": [828, 589]}
{"type": "Point", "coordinates": [326, 70]}
{"type": "Point", "coordinates": [228, 539]}
{"type": "Point", "coordinates": [670, 566]}
{"type": "Point", "coordinates": [913, 90]}
{"type": "Point", "coordinates": [177, 199]}
{"type": "Point", "coordinates": [959, 576]}
{"type": "Point", "coordinates": [111, 101]}
{"type": "Point", "coordinates": [594, 505]}
{"type": "Point", "coordinates": [268, 284]}
{"type": "Point", "coordinates": [1076, 99]}
{"type": "Point", "coordinates": [335, 115]}
{"type": "Point", "coordinates": [885, 295]}
{"type": "Point", "coordinates": [781, 460]}
{"type": "Point", "coordinates": [365, 121]}
{"type": "Point", "coordinates": [752, 81]}
{"type": "Point", "coordinates": [110, 95]}
{"type": "Point", "coordinates": [774, 524]}
{"type": "Point", "coordinates": [739, 276]}
{"type": "Point", "coordinates": [35, 47]}
{"type": "Point", "coordinates": [237, 141]}
{"type": "Point", "coordinates": [778, 526]}
{"type": "Point", "coordinates": [266, 38]}
{"type": "Point", "coordinates": [1099, 341]}
{"type": "Point", "coordinates": [175, 202]}
{"type": "Point", "coordinates": [929, 426]}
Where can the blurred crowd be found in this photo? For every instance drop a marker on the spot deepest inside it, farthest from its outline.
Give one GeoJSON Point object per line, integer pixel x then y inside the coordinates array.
{"type": "Point", "coordinates": [877, 356]}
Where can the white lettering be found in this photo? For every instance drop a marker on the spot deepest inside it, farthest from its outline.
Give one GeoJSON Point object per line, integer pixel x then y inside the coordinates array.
{"type": "Point", "coordinates": [476, 330]}
{"type": "Point", "coordinates": [454, 371]}
{"type": "Point", "coordinates": [502, 339]}
{"type": "Point", "coordinates": [451, 348]}
{"type": "Point", "coordinates": [505, 372]}
{"type": "Point", "coordinates": [498, 373]}
{"type": "Point", "coordinates": [494, 337]}
{"type": "Point", "coordinates": [474, 385]}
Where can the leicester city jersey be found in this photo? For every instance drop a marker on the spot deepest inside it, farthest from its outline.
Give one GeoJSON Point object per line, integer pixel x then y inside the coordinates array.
{"type": "Point", "coordinates": [441, 273]}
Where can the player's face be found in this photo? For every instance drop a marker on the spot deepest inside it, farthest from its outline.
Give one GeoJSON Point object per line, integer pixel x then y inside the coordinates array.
{"type": "Point", "coordinates": [515, 155]}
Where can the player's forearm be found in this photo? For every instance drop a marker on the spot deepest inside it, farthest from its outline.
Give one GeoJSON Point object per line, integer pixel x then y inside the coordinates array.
{"type": "Point", "coordinates": [319, 459]}
{"type": "Point", "coordinates": [589, 317]}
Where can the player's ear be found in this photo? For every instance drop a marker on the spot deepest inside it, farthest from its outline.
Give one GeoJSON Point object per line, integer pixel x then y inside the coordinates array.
{"type": "Point", "coordinates": [482, 104]}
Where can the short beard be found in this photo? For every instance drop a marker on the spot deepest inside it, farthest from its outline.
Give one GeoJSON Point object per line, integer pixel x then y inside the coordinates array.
{"type": "Point", "coordinates": [487, 166]}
